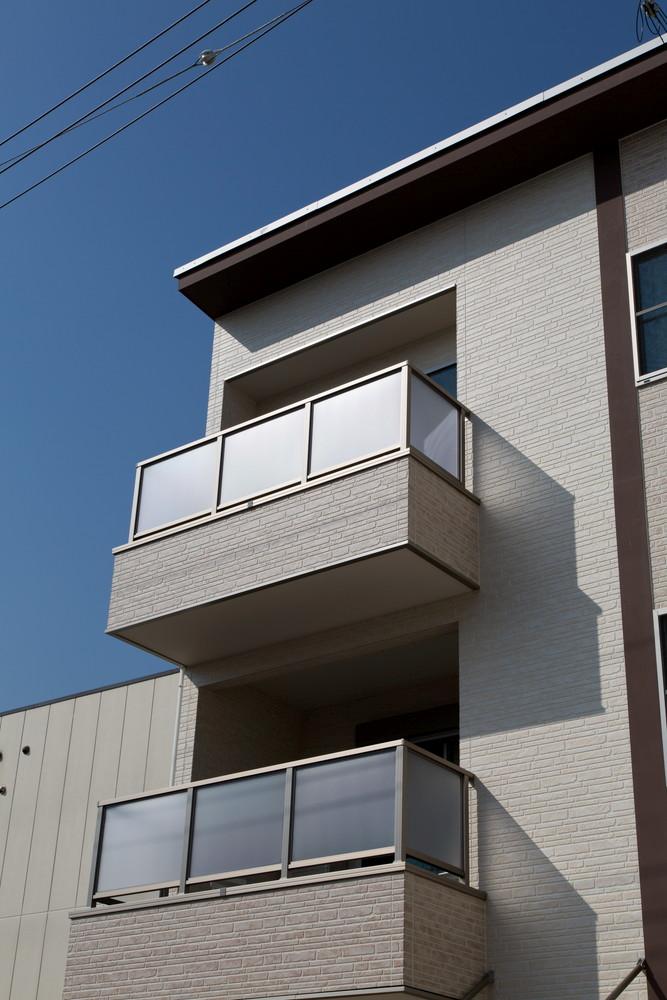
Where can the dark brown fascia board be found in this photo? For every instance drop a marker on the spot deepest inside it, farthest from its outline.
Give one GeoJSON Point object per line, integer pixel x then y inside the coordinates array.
{"type": "Point", "coordinates": [622, 101]}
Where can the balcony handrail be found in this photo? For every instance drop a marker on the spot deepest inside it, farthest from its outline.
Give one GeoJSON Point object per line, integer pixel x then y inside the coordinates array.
{"type": "Point", "coordinates": [216, 505]}
{"type": "Point", "coordinates": [401, 840]}
{"type": "Point", "coordinates": [299, 762]}
{"type": "Point", "coordinates": [343, 387]}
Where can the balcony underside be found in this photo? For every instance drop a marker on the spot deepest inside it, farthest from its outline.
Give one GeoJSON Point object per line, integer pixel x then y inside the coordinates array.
{"type": "Point", "coordinates": [380, 584]}
{"type": "Point", "coordinates": [372, 542]}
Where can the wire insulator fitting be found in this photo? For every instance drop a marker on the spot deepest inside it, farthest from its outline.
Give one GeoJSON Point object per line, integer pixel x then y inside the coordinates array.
{"type": "Point", "coordinates": [208, 57]}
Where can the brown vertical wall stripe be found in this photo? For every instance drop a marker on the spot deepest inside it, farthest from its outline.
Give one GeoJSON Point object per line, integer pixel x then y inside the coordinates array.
{"type": "Point", "coordinates": [634, 566]}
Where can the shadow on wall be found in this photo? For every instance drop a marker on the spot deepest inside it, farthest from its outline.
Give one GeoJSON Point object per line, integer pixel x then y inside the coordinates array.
{"type": "Point", "coordinates": [542, 939]}
{"type": "Point", "coordinates": [531, 626]}
{"type": "Point", "coordinates": [352, 290]}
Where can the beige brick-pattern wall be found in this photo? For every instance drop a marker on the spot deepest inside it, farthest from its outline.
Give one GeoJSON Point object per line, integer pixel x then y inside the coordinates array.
{"type": "Point", "coordinates": [242, 728]}
{"type": "Point", "coordinates": [359, 933]}
{"type": "Point", "coordinates": [187, 727]}
{"type": "Point", "coordinates": [444, 522]}
{"type": "Point", "coordinates": [644, 168]}
{"type": "Point", "coordinates": [653, 416]}
{"type": "Point", "coordinates": [542, 694]}
{"type": "Point", "coordinates": [445, 938]}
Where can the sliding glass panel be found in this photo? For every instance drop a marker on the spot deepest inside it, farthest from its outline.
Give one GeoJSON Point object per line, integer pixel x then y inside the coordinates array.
{"type": "Point", "coordinates": [178, 487]}
{"type": "Point", "coordinates": [263, 457]}
{"type": "Point", "coordinates": [238, 825]}
{"type": "Point", "coordinates": [344, 806]}
{"type": "Point", "coordinates": [433, 811]}
{"type": "Point", "coordinates": [652, 330]}
{"type": "Point", "coordinates": [356, 422]}
{"type": "Point", "coordinates": [650, 278]}
{"type": "Point", "coordinates": [434, 426]}
{"type": "Point", "coordinates": [142, 842]}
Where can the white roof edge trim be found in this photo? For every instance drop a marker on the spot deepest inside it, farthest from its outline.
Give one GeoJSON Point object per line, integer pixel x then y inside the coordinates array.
{"type": "Point", "coordinates": [423, 154]}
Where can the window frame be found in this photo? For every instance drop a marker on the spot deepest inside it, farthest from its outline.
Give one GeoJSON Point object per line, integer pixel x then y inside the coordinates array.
{"type": "Point", "coordinates": [661, 662]}
{"type": "Point", "coordinates": [659, 373]}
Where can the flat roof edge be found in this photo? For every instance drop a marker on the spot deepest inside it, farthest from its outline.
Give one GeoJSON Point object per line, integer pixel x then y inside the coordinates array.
{"type": "Point", "coordinates": [89, 691]}
{"type": "Point", "coordinates": [458, 137]}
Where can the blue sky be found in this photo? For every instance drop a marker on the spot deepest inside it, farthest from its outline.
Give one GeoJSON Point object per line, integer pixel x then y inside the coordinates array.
{"type": "Point", "coordinates": [102, 362]}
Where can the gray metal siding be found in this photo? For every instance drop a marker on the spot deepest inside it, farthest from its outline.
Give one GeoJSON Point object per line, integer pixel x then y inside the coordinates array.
{"type": "Point", "coordinates": [81, 750]}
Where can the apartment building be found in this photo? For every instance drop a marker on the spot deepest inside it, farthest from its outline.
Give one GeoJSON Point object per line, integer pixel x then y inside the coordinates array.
{"type": "Point", "coordinates": [414, 579]}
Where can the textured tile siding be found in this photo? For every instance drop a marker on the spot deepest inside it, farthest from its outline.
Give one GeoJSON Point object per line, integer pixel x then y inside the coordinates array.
{"type": "Point", "coordinates": [542, 692]}
{"type": "Point", "coordinates": [653, 414]}
{"type": "Point", "coordinates": [444, 522]}
{"type": "Point", "coordinates": [542, 685]}
{"type": "Point", "coordinates": [300, 533]}
{"type": "Point", "coordinates": [644, 165]}
{"type": "Point", "coordinates": [354, 934]}
{"type": "Point", "coordinates": [185, 739]}
{"type": "Point", "coordinates": [445, 938]}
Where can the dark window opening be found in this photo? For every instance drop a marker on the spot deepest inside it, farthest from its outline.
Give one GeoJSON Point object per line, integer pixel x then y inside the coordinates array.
{"type": "Point", "coordinates": [433, 729]}
{"type": "Point", "coordinates": [445, 378]}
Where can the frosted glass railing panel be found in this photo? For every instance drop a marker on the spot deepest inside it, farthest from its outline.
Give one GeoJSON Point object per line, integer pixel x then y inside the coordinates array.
{"type": "Point", "coordinates": [238, 825]}
{"type": "Point", "coordinates": [263, 457]}
{"type": "Point", "coordinates": [142, 842]}
{"type": "Point", "coordinates": [357, 422]}
{"type": "Point", "coordinates": [344, 806]}
{"type": "Point", "coordinates": [433, 812]}
{"type": "Point", "coordinates": [434, 425]}
{"type": "Point", "coordinates": [178, 487]}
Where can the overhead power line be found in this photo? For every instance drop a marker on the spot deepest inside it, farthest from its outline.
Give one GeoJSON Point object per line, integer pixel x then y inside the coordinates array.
{"type": "Point", "coordinates": [276, 23]}
{"type": "Point", "coordinates": [100, 76]}
{"type": "Point", "coordinates": [13, 161]}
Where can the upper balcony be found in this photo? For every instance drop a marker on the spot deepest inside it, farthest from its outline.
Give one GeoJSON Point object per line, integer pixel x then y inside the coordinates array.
{"type": "Point", "coordinates": [347, 505]}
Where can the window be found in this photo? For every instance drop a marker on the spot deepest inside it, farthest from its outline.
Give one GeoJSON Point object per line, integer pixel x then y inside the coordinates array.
{"type": "Point", "coordinates": [649, 277]}
{"type": "Point", "coordinates": [446, 378]}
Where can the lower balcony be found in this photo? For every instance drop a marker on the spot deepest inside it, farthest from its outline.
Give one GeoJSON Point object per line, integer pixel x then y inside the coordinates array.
{"type": "Point", "coordinates": [347, 506]}
{"type": "Point", "coordinates": [337, 875]}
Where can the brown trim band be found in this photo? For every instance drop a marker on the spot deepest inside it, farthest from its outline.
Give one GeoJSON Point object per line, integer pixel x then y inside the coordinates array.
{"type": "Point", "coordinates": [634, 565]}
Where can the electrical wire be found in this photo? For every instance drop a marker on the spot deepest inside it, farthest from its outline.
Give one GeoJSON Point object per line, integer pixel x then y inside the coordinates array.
{"type": "Point", "coordinates": [13, 161]}
{"type": "Point", "coordinates": [100, 76]}
{"type": "Point", "coordinates": [19, 157]}
{"type": "Point", "coordinates": [91, 116]}
{"type": "Point", "coordinates": [284, 17]}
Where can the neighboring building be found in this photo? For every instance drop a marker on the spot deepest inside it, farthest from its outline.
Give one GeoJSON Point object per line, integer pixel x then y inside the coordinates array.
{"type": "Point", "coordinates": [352, 558]}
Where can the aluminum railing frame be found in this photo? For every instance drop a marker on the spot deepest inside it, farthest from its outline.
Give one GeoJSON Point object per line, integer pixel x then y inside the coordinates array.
{"type": "Point", "coordinates": [307, 477]}
{"type": "Point", "coordinates": [396, 851]}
